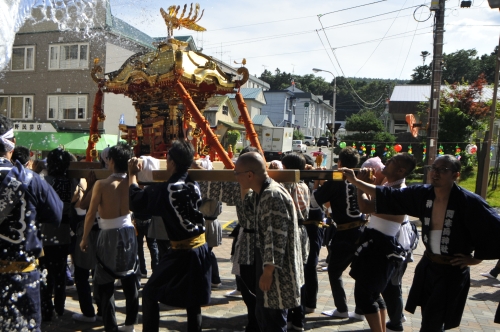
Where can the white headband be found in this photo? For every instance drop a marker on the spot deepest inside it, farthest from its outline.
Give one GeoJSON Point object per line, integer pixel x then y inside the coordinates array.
{"type": "Point", "coordinates": [9, 145]}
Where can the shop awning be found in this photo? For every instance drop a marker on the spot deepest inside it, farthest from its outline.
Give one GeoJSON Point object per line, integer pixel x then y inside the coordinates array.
{"type": "Point", "coordinates": [44, 141]}
{"type": "Point", "coordinates": [232, 125]}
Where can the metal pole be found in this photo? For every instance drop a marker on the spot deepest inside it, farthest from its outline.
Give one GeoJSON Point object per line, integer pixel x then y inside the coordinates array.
{"type": "Point", "coordinates": [334, 104]}
{"type": "Point", "coordinates": [333, 119]}
{"type": "Point", "coordinates": [437, 70]}
{"type": "Point", "coordinates": [486, 165]}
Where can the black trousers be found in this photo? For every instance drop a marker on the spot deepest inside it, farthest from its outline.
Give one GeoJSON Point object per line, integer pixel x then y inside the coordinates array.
{"type": "Point", "coordinates": [54, 261]}
{"type": "Point", "coordinates": [142, 231]}
{"type": "Point", "coordinates": [84, 291]}
{"type": "Point", "coordinates": [270, 320]}
{"type": "Point", "coordinates": [247, 287]}
{"type": "Point", "coordinates": [215, 267]}
{"type": "Point", "coordinates": [310, 289]}
{"type": "Point", "coordinates": [393, 297]}
{"type": "Point", "coordinates": [151, 315]}
{"type": "Point", "coordinates": [341, 254]}
{"type": "Point", "coordinates": [106, 293]}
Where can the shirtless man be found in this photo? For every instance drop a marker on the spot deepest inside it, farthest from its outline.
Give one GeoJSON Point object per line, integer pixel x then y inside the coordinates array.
{"type": "Point", "coordinates": [117, 244]}
{"type": "Point", "coordinates": [382, 228]}
{"type": "Point", "coordinates": [455, 222]}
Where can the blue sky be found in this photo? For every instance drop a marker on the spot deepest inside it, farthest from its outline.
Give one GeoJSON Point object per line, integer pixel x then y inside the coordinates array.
{"type": "Point", "coordinates": [377, 39]}
{"type": "Point", "coordinates": [287, 34]}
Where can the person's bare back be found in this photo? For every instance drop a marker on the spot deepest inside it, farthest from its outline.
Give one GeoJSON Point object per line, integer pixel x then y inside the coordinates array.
{"type": "Point", "coordinates": [112, 197]}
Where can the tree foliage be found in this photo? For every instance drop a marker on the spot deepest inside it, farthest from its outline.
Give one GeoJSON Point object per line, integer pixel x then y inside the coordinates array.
{"type": "Point", "coordinates": [462, 65]}
{"type": "Point", "coordinates": [462, 111]}
{"type": "Point", "coordinates": [232, 137]}
{"type": "Point", "coordinates": [364, 122]}
{"type": "Point", "coordinates": [368, 89]}
{"type": "Point", "coordinates": [297, 134]}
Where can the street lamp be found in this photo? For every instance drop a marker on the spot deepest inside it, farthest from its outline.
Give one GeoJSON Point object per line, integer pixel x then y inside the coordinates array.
{"type": "Point", "coordinates": [316, 70]}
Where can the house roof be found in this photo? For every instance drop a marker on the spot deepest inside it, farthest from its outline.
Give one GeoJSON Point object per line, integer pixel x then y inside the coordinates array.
{"type": "Point", "coordinates": [422, 93]}
{"type": "Point", "coordinates": [232, 125]}
{"type": "Point", "coordinates": [247, 93]}
{"type": "Point", "coordinates": [125, 30]}
{"type": "Point", "coordinates": [411, 93]}
{"type": "Point", "coordinates": [215, 101]}
{"type": "Point", "coordinates": [259, 119]}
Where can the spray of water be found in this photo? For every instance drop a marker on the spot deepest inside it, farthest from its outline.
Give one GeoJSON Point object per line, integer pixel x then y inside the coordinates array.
{"type": "Point", "coordinates": [67, 14]}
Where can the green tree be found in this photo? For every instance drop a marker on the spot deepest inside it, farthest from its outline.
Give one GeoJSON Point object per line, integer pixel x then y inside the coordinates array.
{"type": "Point", "coordinates": [364, 122]}
{"type": "Point", "coordinates": [461, 111]}
{"type": "Point", "coordinates": [462, 65]}
{"type": "Point", "coordinates": [297, 134]}
{"type": "Point", "coordinates": [232, 137]}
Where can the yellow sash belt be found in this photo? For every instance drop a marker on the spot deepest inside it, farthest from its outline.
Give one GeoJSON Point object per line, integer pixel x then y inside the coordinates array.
{"type": "Point", "coordinates": [16, 267]}
{"type": "Point", "coordinates": [191, 243]}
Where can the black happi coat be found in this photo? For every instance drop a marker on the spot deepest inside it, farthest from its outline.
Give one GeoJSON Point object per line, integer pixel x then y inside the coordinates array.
{"type": "Point", "coordinates": [470, 225]}
{"type": "Point", "coordinates": [183, 277]}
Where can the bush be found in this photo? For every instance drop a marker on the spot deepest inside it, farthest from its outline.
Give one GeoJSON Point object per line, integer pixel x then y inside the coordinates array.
{"type": "Point", "coordinates": [232, 137]}
{"type": "Point", "coordinates": [297, 134]}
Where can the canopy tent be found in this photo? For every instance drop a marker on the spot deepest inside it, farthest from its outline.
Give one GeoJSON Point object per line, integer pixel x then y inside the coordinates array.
{"type": "Point", "coordinates": [79, 145]}
{"type": "Point", "coordinates": [45, 141]}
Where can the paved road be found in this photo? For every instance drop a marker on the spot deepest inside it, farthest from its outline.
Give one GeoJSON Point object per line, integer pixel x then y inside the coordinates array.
{"type": "Point", "coordinates": [228, 314]}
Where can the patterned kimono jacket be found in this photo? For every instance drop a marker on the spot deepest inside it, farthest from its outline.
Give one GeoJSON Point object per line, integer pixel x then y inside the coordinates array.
{"type": "Point", "coordinates": [470, 225]}
{"type": "Point", "coordinates": [302, 199]}
{"type": "Point", "coordinates": [278, 242]}
{"type": "Point", "coordinates": [230, 193]}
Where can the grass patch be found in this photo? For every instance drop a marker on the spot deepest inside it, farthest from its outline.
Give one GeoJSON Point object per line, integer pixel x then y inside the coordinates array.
{"type": "Point", "coordinates": [492, 196]}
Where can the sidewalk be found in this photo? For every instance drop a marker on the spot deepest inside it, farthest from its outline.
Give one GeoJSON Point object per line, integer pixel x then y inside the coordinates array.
{"type": "Point", "coordinates": [229, 314]}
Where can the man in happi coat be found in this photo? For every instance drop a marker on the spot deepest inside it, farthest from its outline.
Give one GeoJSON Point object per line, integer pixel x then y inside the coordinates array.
{"type": "Point", "coordinates": [349, 223]}
{"type": "Point", "coordinates": [278, 253]}
{"type": "Point", "coordinates": [116, 248]}
{"type": "Point", "coordinates": [26, 201]}
{"type": "Point", "coordinates": [183, 276]}
{"type": "Point", "coordinates": [458, 229]}
{"type": "Point", "coordinates": [379, 253]}
{"type": "Point", "coordinates": [231, 194]}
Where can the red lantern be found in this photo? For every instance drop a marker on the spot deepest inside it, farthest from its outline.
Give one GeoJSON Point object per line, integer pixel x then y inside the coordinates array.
{"type": "Point", "coordinates": [398, 148]}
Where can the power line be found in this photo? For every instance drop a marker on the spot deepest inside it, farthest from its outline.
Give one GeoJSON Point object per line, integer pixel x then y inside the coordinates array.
{"type": "Point", "coordinates": [340, 67]}
{"type": "Point", "coordinates": [411, 44]}
{"type": "Point", "coordinates": [341, 10]}
{"type": "Point", "coordinates": [381, 39]}
{"type": "Point", "coordinates": [296, 18]}
{"type": "Point", "coordinates": [365, 18]}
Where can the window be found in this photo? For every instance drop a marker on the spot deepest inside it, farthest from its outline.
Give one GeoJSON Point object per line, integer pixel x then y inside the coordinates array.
{"type": "Point", "coordinates": [69, 56]}
{"type": "Point", "coordinates": [17, 107]}
{"type": "Point", "coordinates": [23, 58]}
{"type": "Point", "coordinates": [67, 107]}
{"type": "Point", "coordinates": [225, 110]}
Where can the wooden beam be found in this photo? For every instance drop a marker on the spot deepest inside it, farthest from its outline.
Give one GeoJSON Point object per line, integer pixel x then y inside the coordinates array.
{"type": "Point", "coordinates": [225, 175]}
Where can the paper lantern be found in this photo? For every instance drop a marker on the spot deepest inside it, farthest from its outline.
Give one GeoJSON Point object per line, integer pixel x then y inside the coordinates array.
{"type": "Point", "coordinates": [398, 148]}
{"type": "Point", "coordinates": [342, 145]}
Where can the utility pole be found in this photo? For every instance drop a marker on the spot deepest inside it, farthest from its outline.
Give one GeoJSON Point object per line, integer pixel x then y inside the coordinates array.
{"type": "Point", "coordinates": [486, 164]}
{"type": "Point", "coordinates": [437, 70]}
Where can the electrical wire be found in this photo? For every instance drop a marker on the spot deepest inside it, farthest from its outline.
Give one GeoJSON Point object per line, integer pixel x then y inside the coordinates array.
{"type": "Point", "coordinates": [385, 34]}
{"type": "Point", "coordinates": [340, 67]}
{"type": "Point", "coordinates": [341, 10]}
{"type": "Point", "coordinates": [411, 43]}
{"type": "Point", "coordinates": [365, 18]}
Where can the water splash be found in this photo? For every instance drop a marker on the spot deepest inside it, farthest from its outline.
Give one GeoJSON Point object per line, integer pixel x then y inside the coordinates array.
{"type": "Point", "coordinates": [67, 14]}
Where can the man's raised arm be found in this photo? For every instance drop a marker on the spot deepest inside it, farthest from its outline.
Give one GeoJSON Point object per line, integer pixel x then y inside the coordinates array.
{"type": "Point", "coordinates": [366, 191]}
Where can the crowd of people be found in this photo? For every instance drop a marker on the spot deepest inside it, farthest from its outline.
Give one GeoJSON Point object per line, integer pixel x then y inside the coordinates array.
{"type": "Point", "coordinates": [362, 220]}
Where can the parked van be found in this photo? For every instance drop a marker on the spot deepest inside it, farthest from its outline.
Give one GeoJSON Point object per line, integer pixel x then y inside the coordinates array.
{"type": "Point", "coordinates": [309, 141]}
